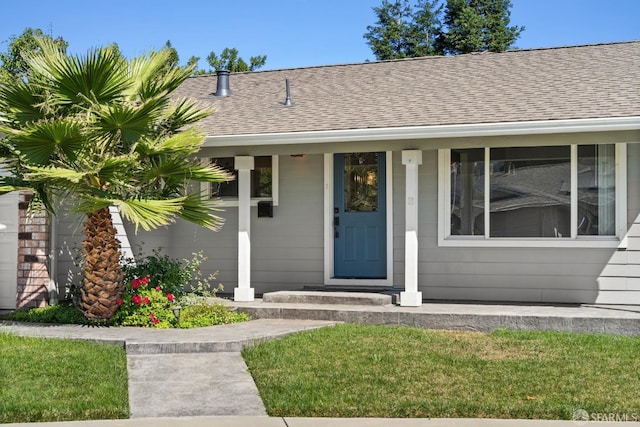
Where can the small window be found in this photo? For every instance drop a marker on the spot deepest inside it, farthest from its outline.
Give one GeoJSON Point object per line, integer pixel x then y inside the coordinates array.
{"type": "Point", "coordinates": [263, 179]}
{"type": "Point", "coordinates": [225, 189]}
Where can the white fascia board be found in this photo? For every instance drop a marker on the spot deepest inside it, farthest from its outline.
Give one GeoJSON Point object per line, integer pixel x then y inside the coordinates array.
{"type": "Point", "coordinates": [427, 132]}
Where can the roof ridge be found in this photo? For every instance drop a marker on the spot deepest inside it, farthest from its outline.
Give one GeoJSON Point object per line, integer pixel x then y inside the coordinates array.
{"type": "Point", "coordinates": [571, 46]}
{"type": "Point", "coordinates": [425, 58]}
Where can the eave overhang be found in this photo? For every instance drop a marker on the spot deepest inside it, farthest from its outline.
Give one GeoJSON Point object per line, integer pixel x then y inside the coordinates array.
{"type": "Point", "coordinates": [429, 132]}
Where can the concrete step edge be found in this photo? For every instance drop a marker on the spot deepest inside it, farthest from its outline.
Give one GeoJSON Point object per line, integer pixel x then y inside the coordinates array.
{"type": "Point", "coordinates": [322, 297]}
{"type": "Point", "coordinates": [451, 321]}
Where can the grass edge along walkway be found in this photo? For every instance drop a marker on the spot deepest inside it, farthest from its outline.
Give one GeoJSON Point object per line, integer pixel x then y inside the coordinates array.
{"type": "Point", "coordinates": [390, 371]}
{"type": "Point", "coordinates": [46, 379]}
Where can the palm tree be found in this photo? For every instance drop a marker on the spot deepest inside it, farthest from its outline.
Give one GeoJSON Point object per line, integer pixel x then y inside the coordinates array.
{"type": "Point", "coordinates": [104, 131]}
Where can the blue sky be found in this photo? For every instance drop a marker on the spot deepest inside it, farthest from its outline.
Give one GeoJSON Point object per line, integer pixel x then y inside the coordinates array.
{"type": "Point", "coordinates": [292, 33]}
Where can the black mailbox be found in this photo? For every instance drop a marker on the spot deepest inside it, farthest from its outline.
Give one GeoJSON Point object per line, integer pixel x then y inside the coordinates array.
{"type": "Point", "coordinates": [265, 209]}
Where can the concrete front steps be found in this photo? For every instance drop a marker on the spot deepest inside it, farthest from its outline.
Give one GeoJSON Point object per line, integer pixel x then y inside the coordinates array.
{"type": "Point", "coordinates": [375, 308]}
{"type": "Point", "coordinates": [320, 297]}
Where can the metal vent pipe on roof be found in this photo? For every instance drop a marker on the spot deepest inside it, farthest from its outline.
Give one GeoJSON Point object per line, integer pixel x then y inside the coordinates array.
{"type": "Point", "coordinates": [287, 100]}
{"type": "Point", "coordinates": [222, 87]}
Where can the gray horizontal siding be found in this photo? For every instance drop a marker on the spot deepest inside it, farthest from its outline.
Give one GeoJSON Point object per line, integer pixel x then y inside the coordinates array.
{"type": "Point", "coordinates": [619, 281]}
{"type": "Point", "coordinates": [286, 251]}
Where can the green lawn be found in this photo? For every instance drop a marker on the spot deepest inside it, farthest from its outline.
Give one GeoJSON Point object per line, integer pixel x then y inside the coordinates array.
{"type": "Point", "coordinates": [58, 380]}
{"type": "Point", "coordinates": [386, 371]}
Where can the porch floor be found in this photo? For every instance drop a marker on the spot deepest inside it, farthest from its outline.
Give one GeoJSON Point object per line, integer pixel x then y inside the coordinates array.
{"type": "Point", "coordinates": [591, 318]}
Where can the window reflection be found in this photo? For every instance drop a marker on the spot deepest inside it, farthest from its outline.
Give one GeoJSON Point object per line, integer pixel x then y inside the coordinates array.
{"type": "Point", "coordinates": [467, 192]}
{"type": "Point", "coordinates": [530, 192]}
{"type": "Point", "coordinates": [261, 178]}
{"type": "Point", "coordinates": [596, 190]}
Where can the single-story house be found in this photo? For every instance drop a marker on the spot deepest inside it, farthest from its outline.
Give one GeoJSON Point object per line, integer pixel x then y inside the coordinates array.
{"type": "Point", "coordinates": [508, 176]}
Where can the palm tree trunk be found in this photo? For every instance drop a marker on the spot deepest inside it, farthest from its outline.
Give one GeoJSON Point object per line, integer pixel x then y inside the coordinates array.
{"type": "Point", "coordinates": [103, 276]}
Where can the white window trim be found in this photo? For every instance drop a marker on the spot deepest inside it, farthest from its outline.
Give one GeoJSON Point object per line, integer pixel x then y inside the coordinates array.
{"type": "Point", "coordinates": [445, 239]}
{"type": "Point", "coordinates": [233, 201]}
{"type": "Point", "coordinates": [329, 278]}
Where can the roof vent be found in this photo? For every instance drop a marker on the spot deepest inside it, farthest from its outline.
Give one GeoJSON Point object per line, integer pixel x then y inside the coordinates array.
{"type": "Point", "coordinates": [287, 101]}
{"type": "Point", "coordinates": [222, 88]}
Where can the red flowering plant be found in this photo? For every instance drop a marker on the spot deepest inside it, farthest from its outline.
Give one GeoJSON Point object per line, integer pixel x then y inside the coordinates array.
{"type": "Point", "coordinates": [143, 304]}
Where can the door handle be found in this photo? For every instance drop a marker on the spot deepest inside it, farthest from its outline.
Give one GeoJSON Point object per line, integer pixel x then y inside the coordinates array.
{"type": "Point", "coordinates": [336, 223]}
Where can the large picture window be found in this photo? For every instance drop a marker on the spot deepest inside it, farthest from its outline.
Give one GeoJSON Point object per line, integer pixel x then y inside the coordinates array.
{"type": "Point", "coordinates": [553, 192]}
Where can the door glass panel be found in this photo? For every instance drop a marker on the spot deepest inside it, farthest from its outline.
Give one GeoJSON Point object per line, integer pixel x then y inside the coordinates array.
{"type": "Point", "coordinates": [361, 182]}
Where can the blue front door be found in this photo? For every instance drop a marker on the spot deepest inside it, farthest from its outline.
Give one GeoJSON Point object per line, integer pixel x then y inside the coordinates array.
{"type": "Point", "coordinates": [359, 216]}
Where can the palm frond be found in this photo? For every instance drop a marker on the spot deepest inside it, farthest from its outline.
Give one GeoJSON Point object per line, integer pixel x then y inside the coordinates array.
{"type": "Point", "coordinates": [181, 114]}
{"type": "Point", "coordinates": [186, 142]}
{"type": "Point", "coordinates": [142, 70]}
{"type": "Point", "coordinates": [149, 214]}
{"type": "Point", "coordinates": [99, 77]}
{"type": "Point", "coordinates": [87, 204]}
{"type": "Point", "coordinates": [114, 169]}
{"type": "Point", "coordinates": [9, 184]}
{"type": "Point", "coordinates": [173, 172]}
{"type": "Point", "coordinates": [5, 189]}
{"type": "Point", "coordinates": [209, 173]}
{"type": "Point", "coordinates": [39, 140]}
{"type": "Point", "coordinates": [55, 176]}
{"type": "Point", "coordinates": [125, 122]}
{"type": "Point", "coordinates": [201, 211]}
{"type": "Point", "coordinates": [153, 77]}
{"type": "Point", "coordinates": [18, 102]}
{"type": "Point", "coordinates": [170, 79]}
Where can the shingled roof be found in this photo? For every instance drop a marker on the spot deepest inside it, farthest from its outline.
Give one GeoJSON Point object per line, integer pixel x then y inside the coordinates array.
{"type": "Point", "coordinates": [579, 82]}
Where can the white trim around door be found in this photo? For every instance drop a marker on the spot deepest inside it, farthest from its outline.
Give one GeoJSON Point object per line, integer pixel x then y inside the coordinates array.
{"type": "Point", "coordinates": [328, 228]}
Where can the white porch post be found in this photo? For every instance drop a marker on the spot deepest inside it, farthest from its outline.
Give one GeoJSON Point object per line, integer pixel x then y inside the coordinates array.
{"type": "Point", "coordinates": [411, 297]}
{"type": "Point", "coordinates": [244, 291]}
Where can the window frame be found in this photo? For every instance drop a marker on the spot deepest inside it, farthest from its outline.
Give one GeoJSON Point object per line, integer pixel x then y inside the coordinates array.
{"type": "Point", "coordinates": [446, 239]}
{"type": "Point", "coordinates": [230, 201]}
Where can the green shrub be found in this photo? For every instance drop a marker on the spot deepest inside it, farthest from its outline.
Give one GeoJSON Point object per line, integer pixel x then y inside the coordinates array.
{"type": "Point", "coordinates": [172, 275]}
{"type": "Point", "coordinates": [153, 286]}
{"type": "Point", "coordinates": [204, 313]}
{"type": "Point", "coordinates": [145, 304]}
{"type": "Point", "coordinates": [63, 313]}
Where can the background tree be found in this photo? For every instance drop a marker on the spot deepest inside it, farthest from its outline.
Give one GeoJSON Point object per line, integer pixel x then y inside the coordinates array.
{"type": "Point", "coordinates": [101, 131]}
{"type": "Point", "coordinates": [12, 63]}
{"type": "Point", "coordinates": [403, 30]}
{"type": "Point", "coordinates": [173, 59]}
{"type": "Point", "coordinates": [231, 61]}
{"type": "Point", "coordinates": [406, 29]}
{"type": "Point", "coordinates": [477, 26]}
